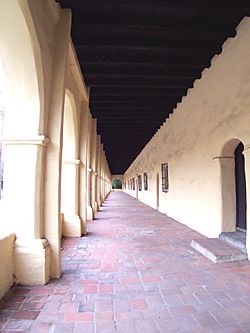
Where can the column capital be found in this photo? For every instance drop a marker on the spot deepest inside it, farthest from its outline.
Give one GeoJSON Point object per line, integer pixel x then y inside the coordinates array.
{"type": "Point", "coordinates": [75, 162]}
{"type": "Point", "coordinates": [90, 170]}
{"type": "Point", "coordinates": [40, 140]}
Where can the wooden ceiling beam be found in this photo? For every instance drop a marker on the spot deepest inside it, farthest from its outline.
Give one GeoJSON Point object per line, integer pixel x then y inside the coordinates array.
{"type": "Point", "coordinates": [182, 71]}
{"type": "Point", "coordinates": [125, 80]}
{"type": "Point", "coordinates": [108, 34]}
{"type": "Point", "coordinates": [196, 13]}
{"type": "Point", "coordinates": [128, 90]}
{"type": "Point", "coordinates": [133, 98]}
{"type": "Point", "coordinates": [127, 53]}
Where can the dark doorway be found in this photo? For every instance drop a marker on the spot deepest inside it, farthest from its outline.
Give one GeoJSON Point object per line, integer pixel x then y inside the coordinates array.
{"type": "Point", "coordinates": [240, 183]}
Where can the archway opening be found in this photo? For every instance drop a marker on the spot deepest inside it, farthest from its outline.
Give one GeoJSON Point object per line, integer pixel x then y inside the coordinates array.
{"type": "Point", "coordinates": [21, 123]}
{"type": "Point", "coordinates": [69, 167]}
{"type": "Point", "coordinates": [240, 187]}
{"type": "Point", "coordinates": [116, 184]}
{"type": "Point", "coordinates": [234, 199]}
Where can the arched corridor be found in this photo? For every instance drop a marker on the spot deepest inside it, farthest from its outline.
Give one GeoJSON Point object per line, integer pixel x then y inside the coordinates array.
{"type": "Point", "coordinates": [135, 272]}
{"type": "Point", "coordinates": [155, 99]}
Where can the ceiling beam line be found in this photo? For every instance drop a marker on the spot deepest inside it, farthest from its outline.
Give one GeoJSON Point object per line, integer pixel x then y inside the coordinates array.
{"type": "Point", "coordinates": [149, 90]}
{"type": "Point", "coordinates": [97, 29]}
{"type": "Point", "coordinates": [138, 48]}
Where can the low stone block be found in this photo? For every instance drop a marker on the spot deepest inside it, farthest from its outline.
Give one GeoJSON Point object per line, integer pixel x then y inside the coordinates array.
{"type": "Point", "coordinates": [217, 251]}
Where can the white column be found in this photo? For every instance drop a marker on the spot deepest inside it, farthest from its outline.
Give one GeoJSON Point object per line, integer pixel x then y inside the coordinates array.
{"type": "Point", "coordinates": [23, 200]}
{"type": "Point", "coordinates": [90, 214]}
{"type": "Point", "coordinates": [83, 166]}
{"type": "Point", "coordinates": [101, 176]}
{"type": "Point", "coordinates": [93, 168]}
{"type": "Point", "coordinates": [72, 224]}
{"type": "Point", "coordinates": [98, 180]}
{"type": "Point", "coordinates": [52, 215]}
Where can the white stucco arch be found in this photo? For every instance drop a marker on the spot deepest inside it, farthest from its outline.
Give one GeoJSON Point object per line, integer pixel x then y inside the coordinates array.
{"type": "Point", "coordinates": [24, 139]}
{"type": "Point", "coordinates": [118, 177]}
{"type": "Point", "coordinates": [21, 60]}
{"type": "Point", "coordinates": [20, 57]}
{"type": "Point", "coordinates": [229, 146]}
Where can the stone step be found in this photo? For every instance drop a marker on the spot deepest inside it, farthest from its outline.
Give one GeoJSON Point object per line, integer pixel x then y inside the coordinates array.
{"type": "Point", "coordinates": [217, 251]}
{"type": "Point", "coordinates": [237, 239]}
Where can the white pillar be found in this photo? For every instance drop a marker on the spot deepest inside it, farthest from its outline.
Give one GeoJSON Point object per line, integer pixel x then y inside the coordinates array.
{"type": "Point", "coordinates": [93, 168]}
{"type": "Point", "coordinates": [72, 224]}
{"type": "Point", "coordinates": [83, 166]}
{"type": "Point", "coordinates": [52, 214]}
{"type": "Point", "coordinates": [90, 214]}
{"type": "Point", "coordinates": [23, 200]}
{"type": "Point", "coordinates": [98, 179]}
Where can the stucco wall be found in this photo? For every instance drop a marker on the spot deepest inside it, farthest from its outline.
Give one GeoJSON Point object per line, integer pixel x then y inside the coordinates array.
{"type": "Point", "coordinates": [215, 110]}
{"type": "Point", "coordinates": [6, 263]}
{"type": "Point", "coordinates": [120, 177]}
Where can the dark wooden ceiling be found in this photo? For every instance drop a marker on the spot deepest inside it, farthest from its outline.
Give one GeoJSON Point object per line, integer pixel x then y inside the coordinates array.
{"type": "Point", "coordinates": [139, 57]}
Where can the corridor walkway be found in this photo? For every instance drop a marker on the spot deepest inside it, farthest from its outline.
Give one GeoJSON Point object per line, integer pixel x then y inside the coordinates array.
{"type": "Point", "coordinates": [135, 272]}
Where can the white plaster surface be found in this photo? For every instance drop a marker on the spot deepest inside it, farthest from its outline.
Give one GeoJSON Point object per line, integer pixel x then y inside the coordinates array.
{"type": "Point", "coordinates": [214, 112]}
{"type": "Point", "coordinates": [6, 263]}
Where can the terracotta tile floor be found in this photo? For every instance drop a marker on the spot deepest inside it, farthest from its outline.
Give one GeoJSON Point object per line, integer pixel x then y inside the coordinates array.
{"type": "Point", "coordinates": [135, 272]}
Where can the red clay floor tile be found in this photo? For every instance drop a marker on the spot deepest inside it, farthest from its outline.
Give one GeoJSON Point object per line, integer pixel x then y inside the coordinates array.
{"type": "Point", "coordinates": [134, 272]}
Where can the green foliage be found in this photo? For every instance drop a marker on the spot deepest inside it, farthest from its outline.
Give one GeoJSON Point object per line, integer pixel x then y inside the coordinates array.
{"type": "Point", "coordinates": [116, 184]}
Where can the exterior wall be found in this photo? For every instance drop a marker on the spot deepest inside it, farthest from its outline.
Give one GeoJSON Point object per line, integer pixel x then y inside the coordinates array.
{"type": "Point", "coordinates": [215, 111]}
{"type": "Point", "coordinates": [7, 263]}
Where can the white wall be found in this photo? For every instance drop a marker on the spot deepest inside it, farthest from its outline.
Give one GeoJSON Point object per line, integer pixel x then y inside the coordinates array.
{"type": "Point", "coordinates": [215, 111]}
{"type": "Point", "coordinates": [7, 266]}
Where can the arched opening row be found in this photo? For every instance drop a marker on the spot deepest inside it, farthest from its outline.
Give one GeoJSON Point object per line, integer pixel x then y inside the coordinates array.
{"type": "Point", "coordinates": [53, 169]}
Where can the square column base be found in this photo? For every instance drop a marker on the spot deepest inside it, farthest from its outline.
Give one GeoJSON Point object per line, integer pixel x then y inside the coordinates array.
{"type": "Point", "coordinates": [90, 213]}
{"type": "Point", "coordinates": [72, 226]}
{"type": "Point", "coordinates": [96, 208]}
{"type": "Point", "coordinates": [31, 261]}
